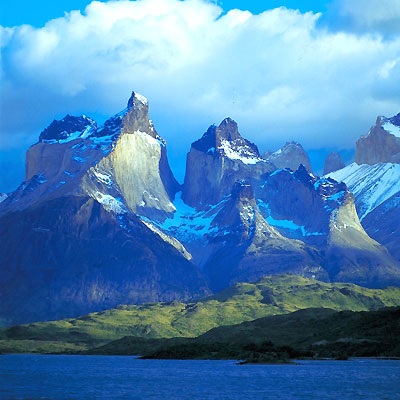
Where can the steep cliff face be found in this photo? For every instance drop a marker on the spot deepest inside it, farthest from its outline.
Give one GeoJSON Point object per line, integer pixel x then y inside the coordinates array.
{"type": "Point", "coordinates": [137, 163]}
{"type": "Point", "coordinates": [352, 256]}
{"type": "Point", "coordinates": [52, 159]}
{"type": "Point", "coordinates": [70, 256]}
{"type": "Point", "coordinates": [216, 161]}
{"type": "Point", "coordinates": [100, 219]}
{"type": "Point", "coordinates": [322, 212]}
{"type": "Point", "coordinates": [71, 238]}
{"type": "Point", "coordinates": [333, 162]}
{"type": "Point", "coordinates": [381, 144]}
{"type": "Point", "coordinates": [291, 156]}
{"type": "Point", "coordinates": [124, 158]}
{"type": "Point", "coordinates": [298, 204]}
{"type": "Point", "coordinates": [376, 189]}
{"type": "Point", "coordinates": [246, 247]}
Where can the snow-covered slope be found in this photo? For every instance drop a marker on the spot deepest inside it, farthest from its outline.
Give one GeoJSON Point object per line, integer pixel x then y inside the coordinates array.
{"type": "Point", "coordinates": [371, 184]}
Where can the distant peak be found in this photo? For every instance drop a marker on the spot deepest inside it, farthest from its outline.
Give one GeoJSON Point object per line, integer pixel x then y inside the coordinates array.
{"type": "Point", "coordinates": [137, 98]}
{"type": "Point", "coordinates": [293, 143]}
{"type": "Point", "coordinates": [291, 155]}
{"type": "Point", "coordinates": [333, 162]}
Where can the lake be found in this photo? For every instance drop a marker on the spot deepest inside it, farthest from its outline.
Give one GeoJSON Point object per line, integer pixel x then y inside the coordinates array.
{"type": "Point", "coordinates": [27, 376]}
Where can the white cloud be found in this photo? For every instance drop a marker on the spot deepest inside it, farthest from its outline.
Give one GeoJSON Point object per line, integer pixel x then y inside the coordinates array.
{"type": "Point", "coordinates": [381, 16]}
{"type": "Point", "coordinates": [279, 74]}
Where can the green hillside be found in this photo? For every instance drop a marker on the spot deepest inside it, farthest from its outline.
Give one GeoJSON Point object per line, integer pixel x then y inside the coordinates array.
{"type": "Point", "coordinates": [305, 333]}
{"type": "Point", "coordinates": [278, 294]}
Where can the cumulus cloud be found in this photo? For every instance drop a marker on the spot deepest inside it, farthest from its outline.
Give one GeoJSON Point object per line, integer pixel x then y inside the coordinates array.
{"type": "Point", "coordinates": [280, 74]}
{"type": "Point", "coordinates": [366, 15]}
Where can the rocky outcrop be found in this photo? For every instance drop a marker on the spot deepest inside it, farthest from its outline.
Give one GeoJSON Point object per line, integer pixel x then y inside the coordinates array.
{"type": "Point", "coordinates": [353, 256]}
{"type": "Point", "coordinates": [124, 158]}
{"type": "Point", "coordinates": [376, 191]}
{"type": "Point", "coordinates": [298, 204]}
{"type": "Point", "coordinates": [216, 161]}
{"type": "Point", "coordinates": [291, 156]}
{"type": "Point", "coordinates": [100, 219]}
{"type": "Point", "coordinates": [333, 162]}
{"type": "Point", "coordinates": [77, 244]}
{"type": "Point", "coordinates": [381, 144]}
{"type": "Point", "coordinates": [371, 185]}
{"type": "Point", "coordinates": [70, 256]}
{"type": "Point", "coordinates": [321, 212]}
{"type": "Point", "coordinates": [245, 247]}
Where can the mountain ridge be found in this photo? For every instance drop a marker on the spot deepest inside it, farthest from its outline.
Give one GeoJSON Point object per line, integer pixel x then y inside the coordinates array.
{"type": "Point", "coordinates": [236, 218]}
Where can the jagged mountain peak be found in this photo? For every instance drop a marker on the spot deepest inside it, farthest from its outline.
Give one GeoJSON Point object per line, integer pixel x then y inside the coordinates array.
{"type": "Point", "coordinates": [291, 156]}
{"type": "Point", "coordinates": [135, 99]}
{"type": "Point", "coordinates": [333, 162]}
{"type": "Point", "coordinates": [67, 129]}
{"type": "Point", "coordinates": [228, 129]}
{"type": "Point", "coordinates": [381, 144]}
{"type": "Point", "coordinates": [225, 140]}
{"type": "Point", "coordinates": [395, 120]}
{"type": "Point", "coordinates": [216, 161]}
{"type": "Point", "coordinates": [134, 118]}
{"type": "Point", "coordinates": [303, 175]}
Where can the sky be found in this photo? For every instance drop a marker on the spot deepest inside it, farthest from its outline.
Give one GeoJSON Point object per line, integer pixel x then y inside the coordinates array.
{"type": "Point", "coordinates": [311, 71]}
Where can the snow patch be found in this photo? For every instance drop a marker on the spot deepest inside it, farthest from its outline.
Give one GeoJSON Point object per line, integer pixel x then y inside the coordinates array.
{"type": "Point", "coordinates": [371, 184]}
{"type": "Point", "coordinates": [110, 203]}
{"type": "Point", "coordinates": [103, 178]}
{"type": "Point", "coordinates": [239, 153]}
{"type": "Point", "coordinates": [80, 159]}
{"type": "Point", "coordinates": [187, 224]}
{"type": "Point", "coordinates": [285, 223]}
{"type": "Point", "coordinates": [152, 141]}
{"type": "Point", "coordinates": [393, 129]}
{"type": "Point", "coordinates": [141, 98]}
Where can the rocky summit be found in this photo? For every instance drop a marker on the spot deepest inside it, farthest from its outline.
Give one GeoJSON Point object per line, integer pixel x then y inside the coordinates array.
{"type": "Point", "coordinates": [71, 239]}
{"type": "Point", "coordinates": [333, 162]}
{"type": "Point", "coordinates": [374, 181]}
{"type": "Point", "coordinates": [381, 144]}
{"type": "Point", "coordinates": [100, 219]}
{"type": "Point", "coordinates": [216, 161]}
{"type": "Point", "coordinates": [290, 156]}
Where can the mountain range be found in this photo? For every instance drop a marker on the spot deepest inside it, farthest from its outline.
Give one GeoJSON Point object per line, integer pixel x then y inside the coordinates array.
{"type": "Point", "coordinates": [100, 219]}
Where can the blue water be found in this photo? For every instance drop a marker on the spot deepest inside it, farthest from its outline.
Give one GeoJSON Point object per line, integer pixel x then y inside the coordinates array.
{"type": "Point", "coordinates": [113, 377]}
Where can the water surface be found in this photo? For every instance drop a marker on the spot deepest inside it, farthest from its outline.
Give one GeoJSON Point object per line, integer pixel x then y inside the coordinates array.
{"type": "Point", "coordinates": [121, 377]}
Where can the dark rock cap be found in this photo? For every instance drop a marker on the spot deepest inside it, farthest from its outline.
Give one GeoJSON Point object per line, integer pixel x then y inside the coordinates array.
{"type": "Point", "coordinates": [61, 129]}
{"type": "Point", "coordinates": [226, 131]}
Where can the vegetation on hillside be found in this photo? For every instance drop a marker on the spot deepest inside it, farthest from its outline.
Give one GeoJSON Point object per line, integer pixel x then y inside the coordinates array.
{"type": "Point", "coordinates": [272, 295]}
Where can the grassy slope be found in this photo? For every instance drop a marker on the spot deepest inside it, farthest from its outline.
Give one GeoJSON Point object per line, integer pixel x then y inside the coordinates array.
{"type": "Point", "coordinates": [279, 294]}
{"type": "Point", "coordinates": [310, 332]}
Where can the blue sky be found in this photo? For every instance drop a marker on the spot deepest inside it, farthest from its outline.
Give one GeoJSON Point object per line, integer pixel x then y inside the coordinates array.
{"type": "Point", "coordinates": [315, 72]}
{"type": "Point", "coordinates": [37, 13]}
